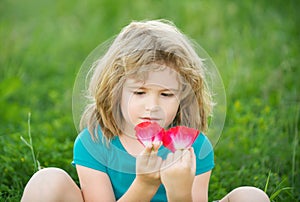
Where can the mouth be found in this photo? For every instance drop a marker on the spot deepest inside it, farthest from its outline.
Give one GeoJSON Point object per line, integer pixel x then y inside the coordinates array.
{"type": "Point", "coordinates": [150, 119]}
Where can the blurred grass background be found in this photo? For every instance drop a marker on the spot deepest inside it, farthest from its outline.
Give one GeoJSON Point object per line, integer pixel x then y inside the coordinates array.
{"type": "Point", "coordinates": [255, 45]}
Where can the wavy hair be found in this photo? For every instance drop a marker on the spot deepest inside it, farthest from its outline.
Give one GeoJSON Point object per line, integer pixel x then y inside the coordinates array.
{"type": "Point", "coordinates": [141, 44]}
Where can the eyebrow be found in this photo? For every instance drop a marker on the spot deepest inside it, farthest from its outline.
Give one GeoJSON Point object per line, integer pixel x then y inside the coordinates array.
{"type": "Point", "coordinates": [145, 88]}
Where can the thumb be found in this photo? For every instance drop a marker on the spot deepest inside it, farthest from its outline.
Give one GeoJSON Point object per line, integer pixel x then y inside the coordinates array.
{"type": "Point", "coordinates": [193, 159]}
{"type": "Point", "coordinates": [147, 150]}
{"type": "Point", "coordinates": [156, 146]}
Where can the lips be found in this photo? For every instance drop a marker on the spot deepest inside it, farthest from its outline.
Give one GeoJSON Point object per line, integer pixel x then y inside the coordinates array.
{"type": "Point", "coordinates": [179, 137]}
{"type": "Point", "coordinates": [149, 119]}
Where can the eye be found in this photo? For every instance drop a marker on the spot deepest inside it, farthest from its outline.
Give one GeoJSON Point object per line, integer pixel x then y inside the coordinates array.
{"type": "Point", "coordinates": [167, 94]}
{"type": "Point", "coordinates": [139, 92]}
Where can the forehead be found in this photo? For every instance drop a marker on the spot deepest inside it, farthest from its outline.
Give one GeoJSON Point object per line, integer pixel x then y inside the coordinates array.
{"type": "Point", "coordinates": [165, 77]}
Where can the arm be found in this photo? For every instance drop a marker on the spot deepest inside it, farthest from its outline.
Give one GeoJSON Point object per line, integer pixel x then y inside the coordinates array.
{"type": "Point", "coordinates": [96, 185]}
{"type": "Point", "coordinates": [200, 187]}
{"type": "Point", "coordinates": [204, 164]}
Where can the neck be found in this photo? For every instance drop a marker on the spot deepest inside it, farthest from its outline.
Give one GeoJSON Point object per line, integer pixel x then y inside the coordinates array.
{"type": "Point", "coordinates": [131, 144]}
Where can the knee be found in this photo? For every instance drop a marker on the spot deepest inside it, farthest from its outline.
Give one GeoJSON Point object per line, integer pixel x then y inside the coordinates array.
{"type": "Point", "coordinates": [45, 183]}
{"type": "Point", "coordinates": [49, 176]}
{"type": "Point", "coordinates": [248, 193]}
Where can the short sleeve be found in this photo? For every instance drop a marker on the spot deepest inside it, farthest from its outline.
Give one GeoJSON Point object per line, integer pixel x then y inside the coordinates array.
{"type": "Point", "coordinates": [87, 152]}
{"type": "Point", "coordinates": [204, 154]}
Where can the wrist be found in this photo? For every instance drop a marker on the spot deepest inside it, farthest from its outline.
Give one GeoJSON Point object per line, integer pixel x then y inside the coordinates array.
{"type": "Point", "coordinates": [178, 196]}
{"type": "Point", "coordinates": [147, 182]}
{"type": "Point", "coordinates": [147, 186]}
{"type": "Point", "coordinates": [140, 188]}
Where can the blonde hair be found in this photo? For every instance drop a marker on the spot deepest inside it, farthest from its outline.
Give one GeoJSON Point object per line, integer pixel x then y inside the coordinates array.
{"type": "Point", "coordinates": [138, 45]}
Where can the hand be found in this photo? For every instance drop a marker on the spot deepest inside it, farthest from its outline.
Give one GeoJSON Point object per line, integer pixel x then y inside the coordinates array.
{"type": "Point", "coordinates": [177, 174]}
{"type": "Point", "coordinates": [147, 180]}
{"type": "Point", "coordinates": [148, 166]}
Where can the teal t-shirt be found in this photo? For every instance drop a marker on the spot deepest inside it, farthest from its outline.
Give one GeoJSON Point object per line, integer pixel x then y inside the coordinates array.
{"type": "Point", "coordinates": [112, 159]}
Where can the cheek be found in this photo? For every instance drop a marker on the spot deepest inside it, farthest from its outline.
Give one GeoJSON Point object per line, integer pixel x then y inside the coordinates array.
{"type": "Point", "coordinates": [174, 107]}
{"type": "Point", "coordinates": [171, 110]}
{"type": "Point", "coordinates": [129, 106]}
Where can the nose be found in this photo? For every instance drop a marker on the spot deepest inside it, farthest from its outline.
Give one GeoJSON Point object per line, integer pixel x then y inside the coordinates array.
{"type": "Point", "coordinates": [152, 103]}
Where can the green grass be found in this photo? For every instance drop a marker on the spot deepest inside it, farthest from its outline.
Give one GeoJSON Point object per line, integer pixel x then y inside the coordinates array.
{"type": "Point", "coordinates": [254, 44]}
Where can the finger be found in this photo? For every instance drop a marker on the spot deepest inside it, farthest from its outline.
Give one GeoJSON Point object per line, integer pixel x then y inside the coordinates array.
{"type": "Point", "coordinates": [178, 155]}
{"type": "Point", "coordinates": [188, 156]}
{"type": "Point", "coordinates": [156, 163]}
{"type": "Point", "coordinates": [147, 151]}
{"type": "Point", "coordinates": [156, 146]}
{"type": "Point", "coordinates": [159, 162]}
{"type": "Point", "coordinates": [193, 159]}
{"type": "Point", "coordinates": [191, 149]}
{"type": "Point", "coordinates": [153, 164]}
{"type": "Point", "coordinates": [152, 157]}
{"type": "Point", "coordinates": [143, 157]}
{"type": "Point", "coordinates": [163, 165]}
{"type": "Point", "coordinates": [168, 161]}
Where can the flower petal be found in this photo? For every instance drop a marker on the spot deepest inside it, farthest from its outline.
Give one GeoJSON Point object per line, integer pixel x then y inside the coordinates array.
{"type": "Point", "coordinates": [149, 132]}
{"type": "Point", "coordinates": [179, 137]}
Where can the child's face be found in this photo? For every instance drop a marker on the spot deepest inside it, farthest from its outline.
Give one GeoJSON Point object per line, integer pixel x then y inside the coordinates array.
{"type": "Point", "coordinates": [155, 99]}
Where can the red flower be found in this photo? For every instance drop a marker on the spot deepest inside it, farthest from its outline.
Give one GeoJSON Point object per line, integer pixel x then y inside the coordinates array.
{"type": "Point", "coordinates": [149, 132]}
{"type": "Point", "coordinates": [179, 137]}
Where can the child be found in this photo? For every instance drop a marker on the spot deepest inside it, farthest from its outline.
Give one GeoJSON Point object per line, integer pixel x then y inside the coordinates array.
{"type": "Point", "coordinates": [149, 73]}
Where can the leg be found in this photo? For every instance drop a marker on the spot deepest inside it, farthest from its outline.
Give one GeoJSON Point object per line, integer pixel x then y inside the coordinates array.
{"type": "Point", "coordinates": [51, 184]}
{"type": "Point", "coordinates": [246, 194]}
